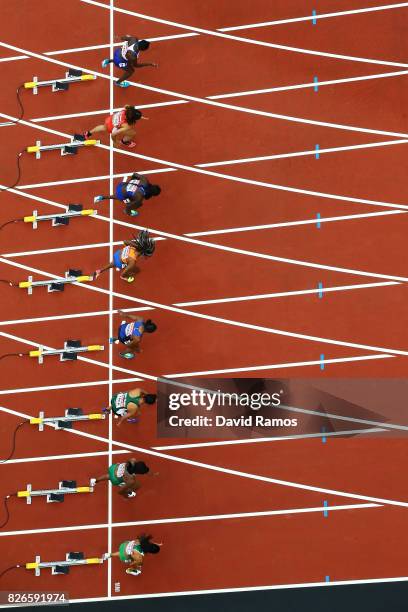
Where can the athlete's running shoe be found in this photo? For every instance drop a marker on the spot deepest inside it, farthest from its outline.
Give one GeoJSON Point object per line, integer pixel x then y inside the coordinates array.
{"type": "Point", "coordinates": [105, 63]}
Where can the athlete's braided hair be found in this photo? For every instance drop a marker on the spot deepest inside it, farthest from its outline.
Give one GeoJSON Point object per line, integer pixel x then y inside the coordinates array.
{"type": "Point", "coordinates": [143, 243]}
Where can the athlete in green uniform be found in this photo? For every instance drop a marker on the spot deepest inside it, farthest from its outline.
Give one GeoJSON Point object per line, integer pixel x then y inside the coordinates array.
{"type": "Point", "coordinates": [126, 405]}
{"type": "Point", "coordinates": [132, 552]}
{"type": "Point", "coordinates": [123, 475]}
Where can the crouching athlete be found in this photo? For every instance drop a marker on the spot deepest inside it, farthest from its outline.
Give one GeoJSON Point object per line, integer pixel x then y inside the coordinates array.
{"type": "Point", "coordinates": [126, 58]}
{"type": "Point", "coordinates": [131, 334]}
{"type": "Point", "coordinates": [132, 193]}
{"type": "Point", "coordinates": [123, 475]}
{"type": "Point", "coordinates": [120, 125]}
{"type": "Point", "coordinates": [127, 405]}
{"type": "Point", "coordinates": [125, 258]}
{"type": "Point", "coordinates": [133, 552]}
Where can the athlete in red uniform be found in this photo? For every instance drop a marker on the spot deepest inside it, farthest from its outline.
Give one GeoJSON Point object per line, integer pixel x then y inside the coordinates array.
{"type": "Point", "coordinates": [120, 126]}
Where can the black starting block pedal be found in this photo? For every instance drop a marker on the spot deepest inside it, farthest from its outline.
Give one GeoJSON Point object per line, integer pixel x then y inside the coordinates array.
{"type": "Point", "coordinates": [64, 424]}
{"type": "Point", "coordinates": [56, 287]}
{"type": "Point", "coordinates": [60, 86]}
{"type": "Point", "coordinates": [73, 72]}
{"type": "Point", "coordinates": [75, 556]}
{"type": "Point", "coordinates": [75, 207]}
{"type": "Point", "coordinates": [74, 412]}
{"type": "Point", "coordinates": [69, 357]}
{"type": "Point", "coordinates": [55, 497]}
{"type": "Point", "coordinates": [60, 569]}
{"type": "Point", "coordinates": [60, 221]}
{"type": "Point", "coordinates": [73, 343]}
{"type": "Point", "coordinates": [75, 273]}
{"type": "Point", "coordinates": [68, 484]}
{"type": "Point", "coordinates": [67, 150]}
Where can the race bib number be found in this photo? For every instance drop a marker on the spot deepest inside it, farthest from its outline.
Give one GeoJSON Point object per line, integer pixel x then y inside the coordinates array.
{"type": "Point", "coordinates": [121, 470]}
{"type": "Point", "coordinates": [129, 329]}
{"type": "Point", "coordinates": [129, 547]}
{"type": "Point", "coordinates": [120, 400]}
{"type": "Point", "coordinates": [117, 119]}
{"type": "Point", "coordinates": [132, 186]}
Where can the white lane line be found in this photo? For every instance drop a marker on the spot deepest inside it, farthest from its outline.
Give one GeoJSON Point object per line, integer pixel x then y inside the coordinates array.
{"type": "Point", "coordinates": [345, 432]}
{"type": "Point", "coordinates": [231, 472]}
{"type": "Point", "coordinates": [241, 298]}
{"type": "Point", "coordinates": [199, 315]}
{"type": "Point", "coordinates": [218, 174]}
{"type": "Point", "coordinates": [193, 519]}
{"type": "Point", "coordinates": [233, 230]}
{"type": "Point", "coordinates": [228, 29]}
{"type": "Point", "coordinates": [95, 383]}
{"type": "Point", "coordinates": [250, 41]}
{"type": "Point", "coordinates": [231, 95]}
{"type": "Point", "coordinates": [200, 100]}
{"type": "Point", "coordinates": [64, 457]}
{"type": "Point", "coordinates": [371, 9]}
{"type": "Point", "coordinates": [267, 226]}
{"type": "Point", "coordinates": [278, 366]}
{"type": "Point", "coordinates": [309, 152]}
{"type": "Point", "coordinates": [110, 303]}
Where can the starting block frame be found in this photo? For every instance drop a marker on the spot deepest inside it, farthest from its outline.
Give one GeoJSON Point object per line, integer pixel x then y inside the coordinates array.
{"type": "Point", "coordinates": [71, 211]}
{"type": "Point", "coordinates": [72, 415]}
{"type": "Point", "coordinates": [57, 284]}
{"type": "Point", "coordinates": [72, 76]}
{"type": "Point", "coordinates": [66, 148]}
{"type": "Point", "coordinates": [62, 567]}
{"type": "Point", "coordinates": [69, 353]}
{"type": "Point", "coordinates": [54, 495]}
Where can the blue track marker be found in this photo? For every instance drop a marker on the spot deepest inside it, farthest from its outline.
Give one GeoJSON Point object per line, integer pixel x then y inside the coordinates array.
{"type": "Point", "coordinates": [314, 20]}
{"type": "Point", "coordinates": [325, 512]}
{"type": "Point", "coordinates": [320, 290]}
{"type": "Point", "coordinates": [324, 437]}
{"type": "Point", "coordinates": [316, 82]}
{"type": "Point", "coordinates": [322, 361]}
{"type": "Point", "coordinates": [327, 578]}
{"type": "Point", "coordinates": [318, 221]}
{"type": "Point", "coordinates": [317, 154]}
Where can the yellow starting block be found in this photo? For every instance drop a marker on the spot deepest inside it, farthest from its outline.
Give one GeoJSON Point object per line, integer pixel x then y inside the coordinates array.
{"type": "Point", "coordinates": [70, 148]}
{"type": "Point", "coordinates": [71, 416]}
{"type": "Point", "coordinates": [65, 487]}
{"type": "Point", "coordinates": [58, 284]}
{"type": "Point", "coordinates": [62, 567]}
{"type": "Point", "coordinates": [69, 353]}
{"type": "Point", "coordinates": [72, 76]}
{"type": "Point", "coordinates": [71, 211]}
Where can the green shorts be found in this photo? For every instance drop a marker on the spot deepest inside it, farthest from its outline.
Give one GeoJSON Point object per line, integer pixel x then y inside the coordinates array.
{"type": "Point", "coordinates": [112, 476]}
{"type": "Point", "coordinates": [123, 556]}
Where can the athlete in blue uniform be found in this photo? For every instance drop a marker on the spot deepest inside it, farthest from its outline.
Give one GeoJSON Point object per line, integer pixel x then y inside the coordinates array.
{"type": "Point", "coordinates": [132, 193]}
{"type": "Point", "coordinates": [126, 58]}
{"type": "Point", "coordinates": [131, 334]}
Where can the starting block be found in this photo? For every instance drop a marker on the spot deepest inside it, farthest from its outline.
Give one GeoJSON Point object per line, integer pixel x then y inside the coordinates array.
{"type": "Point", "coordinates": [72, 415]}
{"type": "Point", "coordinates": [69, 353]}
{"type": "Point", "coordinates": [62, 567]}
{"type": "Point", "coordinates": [54, 495]}
{"type": "Point", "coordinates": [71, 277]}
{"type": "Point", "coordinates": [70, 148]}
{"type": "Point", "coordinates": [72, 210]}
{"type": "Point", "coordinates": [72, 76]}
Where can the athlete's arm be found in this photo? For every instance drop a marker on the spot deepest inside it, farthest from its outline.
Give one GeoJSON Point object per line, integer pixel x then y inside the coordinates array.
{"type": "Point", "coordinates": [152, 64]}
{"type": "Point", "coordinates": [130, 268]}
{"type": "Point", "coordinates": [129, 71]}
